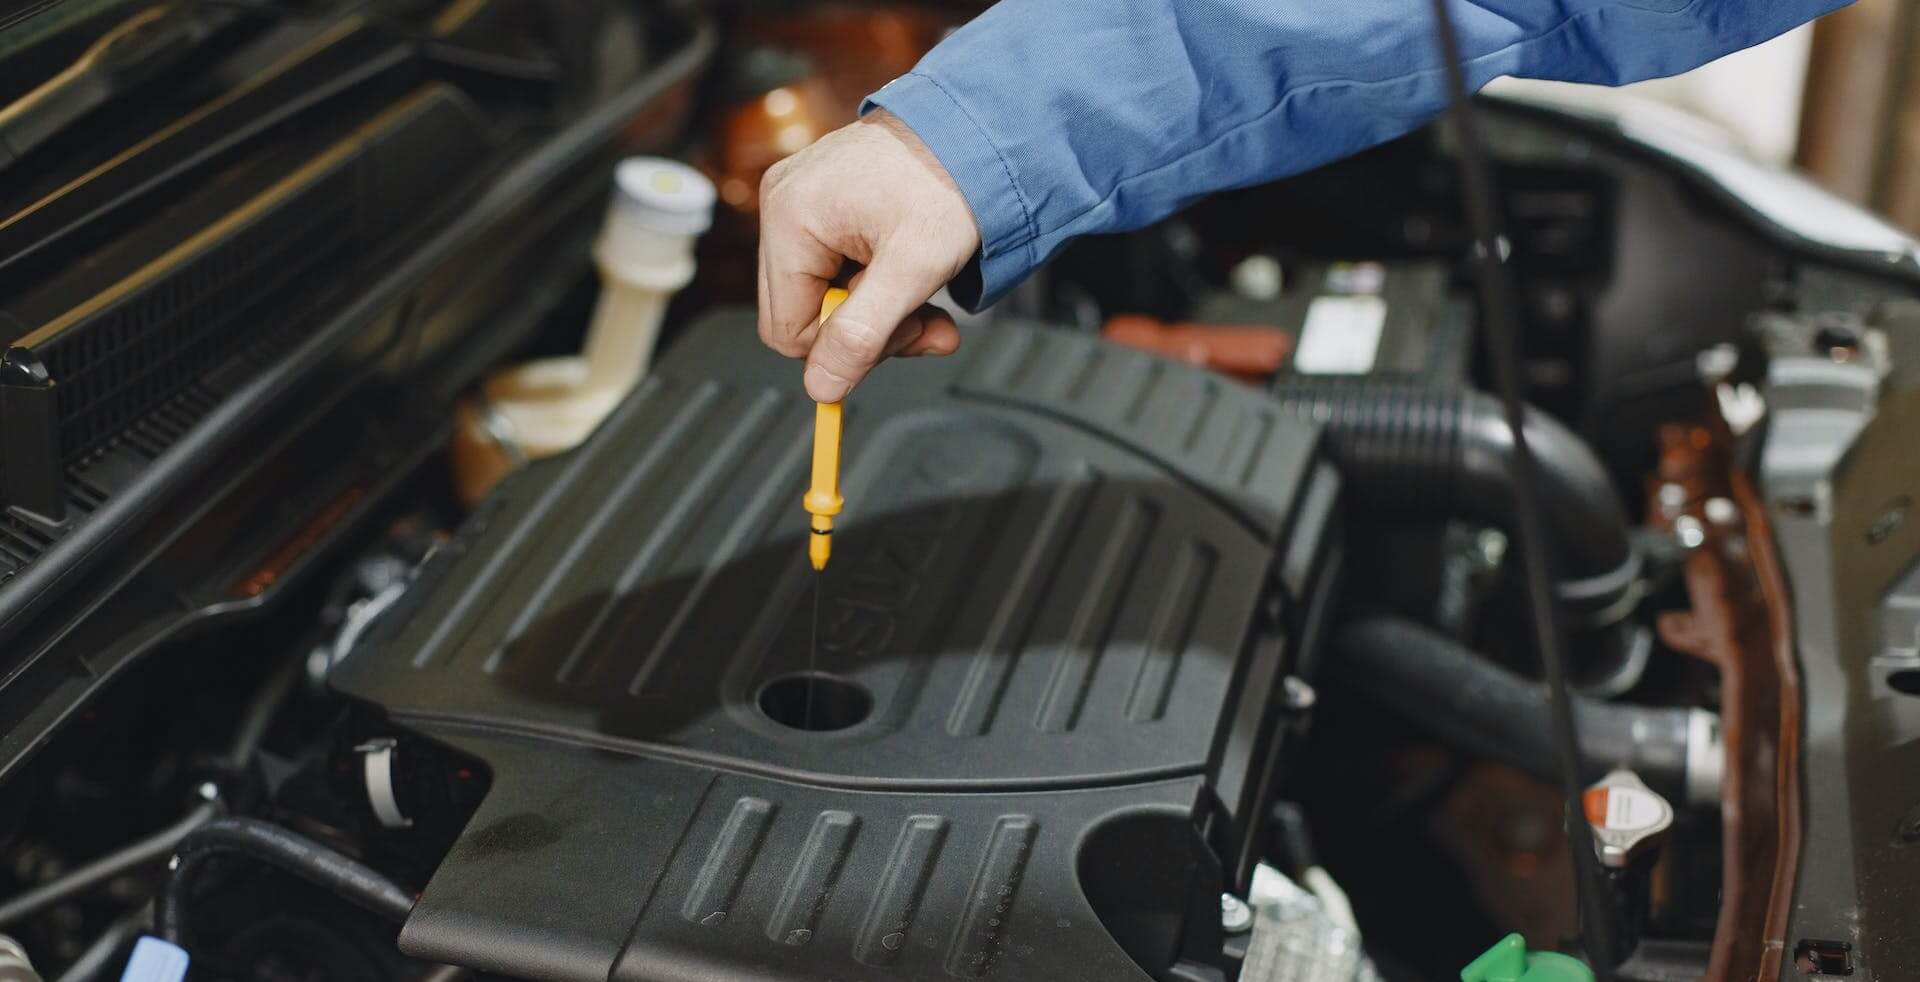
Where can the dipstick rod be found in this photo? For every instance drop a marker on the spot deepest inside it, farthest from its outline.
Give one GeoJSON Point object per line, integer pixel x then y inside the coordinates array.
{"type": "Point", "coordinates": [823, 499]}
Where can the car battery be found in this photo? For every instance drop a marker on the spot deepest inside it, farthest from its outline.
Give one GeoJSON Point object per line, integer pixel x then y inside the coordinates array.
{"type": "Point", "coordinates": [1399, 319]}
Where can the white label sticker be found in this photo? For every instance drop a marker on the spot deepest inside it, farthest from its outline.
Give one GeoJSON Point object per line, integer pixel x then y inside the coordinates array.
{"type": "Point", "coordinates": [1341, 336]}
{"type": "Point", "coordinates": [1631, 809]}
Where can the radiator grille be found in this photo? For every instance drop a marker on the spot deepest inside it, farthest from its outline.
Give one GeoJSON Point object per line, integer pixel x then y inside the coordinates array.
{"type": "Point", "coordinates": [140, 353]}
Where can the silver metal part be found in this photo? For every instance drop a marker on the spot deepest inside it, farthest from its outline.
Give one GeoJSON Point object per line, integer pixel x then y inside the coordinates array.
{"type": "Point", "coordinates": [1258, 277]}
{"type": "Point", "coordinates": [1298, 694]}
{"type": "Point", "coordinates": [1837, 469]}
{"type": "Point", "coordinates": [1673, 499]}
{"type": "Point", "coordinates": [1296, 939]}
{"type": "Point", "coordinates": [1721, 511]}
{"type": "Point", "coordinates": [1490, 548]}
{"type": "Point", "coordinates": [1691, 533]}
{"type": "Point", "coordinates": [500, 428]}
{"type": "Point", "coordinates": [1706, 759]}
{"type": "Point", "coordinates": [362, 614]}
{"type": "Point", "coordinates": [1628, 818]}
{"type": "Point", "coordinates": [1235, 916]}
{"type": "Point", "coordinates": [1717, 364]}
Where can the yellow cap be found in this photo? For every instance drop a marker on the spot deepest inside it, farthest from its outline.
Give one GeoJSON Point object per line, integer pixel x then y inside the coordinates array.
{"type": "Point", "coordinates": [823, 499]}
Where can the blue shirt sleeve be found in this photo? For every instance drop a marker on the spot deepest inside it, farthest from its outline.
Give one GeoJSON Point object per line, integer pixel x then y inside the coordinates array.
{"type": "Point", "coordinates": [1061, 118]}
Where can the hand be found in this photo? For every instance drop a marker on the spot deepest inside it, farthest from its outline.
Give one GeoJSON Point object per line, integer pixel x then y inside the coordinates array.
{"type": "Point", "coordinates": [872, 193]}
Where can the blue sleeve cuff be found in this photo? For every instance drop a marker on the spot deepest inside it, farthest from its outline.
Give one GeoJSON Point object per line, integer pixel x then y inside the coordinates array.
{"type": "Point", "coordinates": [986, 178]}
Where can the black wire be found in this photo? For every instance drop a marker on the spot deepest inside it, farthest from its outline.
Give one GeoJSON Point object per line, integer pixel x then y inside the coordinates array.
{"type": "Point", "coordinates": [1503, 335]}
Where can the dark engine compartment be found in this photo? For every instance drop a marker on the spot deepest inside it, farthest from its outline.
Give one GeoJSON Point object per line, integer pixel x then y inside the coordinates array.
{"type": "Point", "coordinates": [1112, 642]}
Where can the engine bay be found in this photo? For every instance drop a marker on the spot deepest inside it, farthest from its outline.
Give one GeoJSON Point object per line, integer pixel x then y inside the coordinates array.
{"type": "Point", "coordinates": [1177, 626]}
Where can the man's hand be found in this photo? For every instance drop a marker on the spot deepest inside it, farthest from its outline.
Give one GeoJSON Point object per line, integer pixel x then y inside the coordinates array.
{"type": "Point", "coordinates": [871, 193]}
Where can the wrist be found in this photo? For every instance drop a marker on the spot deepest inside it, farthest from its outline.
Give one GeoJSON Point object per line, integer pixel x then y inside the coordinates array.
{"type": "Point", "coordinates": [928, 116]}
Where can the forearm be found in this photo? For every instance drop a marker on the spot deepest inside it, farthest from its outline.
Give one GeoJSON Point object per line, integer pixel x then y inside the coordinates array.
{"type": "Point", "coordinates": [1060, 118]}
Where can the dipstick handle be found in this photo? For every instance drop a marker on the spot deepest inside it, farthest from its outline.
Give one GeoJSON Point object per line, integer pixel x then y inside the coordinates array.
{"type": "Point", "coordinates": [823, 499]}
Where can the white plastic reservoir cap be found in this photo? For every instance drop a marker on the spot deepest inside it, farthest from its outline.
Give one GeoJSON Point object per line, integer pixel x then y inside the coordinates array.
{"type": "Point", "coordinates": [663, 195]}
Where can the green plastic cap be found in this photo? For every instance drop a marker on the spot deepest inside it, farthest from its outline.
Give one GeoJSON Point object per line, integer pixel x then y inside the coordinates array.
{"type": "Point", "coordinates": [1510, 961]}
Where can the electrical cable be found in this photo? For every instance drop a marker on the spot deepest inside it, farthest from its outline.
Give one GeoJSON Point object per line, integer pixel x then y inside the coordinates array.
{"type": "Point", "coordinates": [1503, 318]}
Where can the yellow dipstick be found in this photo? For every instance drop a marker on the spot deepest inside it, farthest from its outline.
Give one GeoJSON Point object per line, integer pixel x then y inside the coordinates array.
{"type": "Point", "coordinates": [823, 499]}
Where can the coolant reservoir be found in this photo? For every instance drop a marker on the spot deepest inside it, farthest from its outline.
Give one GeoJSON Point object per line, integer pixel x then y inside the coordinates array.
{"type": "Point", "coordinates": [540, 408]}
{"type": "Point", "coordinates": [645, 254]}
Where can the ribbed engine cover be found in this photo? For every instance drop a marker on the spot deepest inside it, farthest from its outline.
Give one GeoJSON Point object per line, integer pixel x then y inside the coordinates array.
{"type": "Point", "coordinates": [1039, 722]}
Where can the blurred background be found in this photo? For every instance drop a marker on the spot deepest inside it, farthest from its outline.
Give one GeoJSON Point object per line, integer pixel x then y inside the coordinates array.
{"type": "Point", "coordinates": [1839, 99]}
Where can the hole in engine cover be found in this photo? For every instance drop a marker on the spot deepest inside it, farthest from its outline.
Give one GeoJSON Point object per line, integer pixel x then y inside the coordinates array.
{"type": "Point", "coordinates": [818, 702]}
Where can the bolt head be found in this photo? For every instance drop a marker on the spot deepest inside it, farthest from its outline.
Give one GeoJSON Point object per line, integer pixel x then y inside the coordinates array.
{"type": "Point", "coordinates": [1673, 499]}
{"type": "Point", "coordinates": [1691, 533]}
{"type": "Point", "coordinates": [1722, 511]}
{"type": "Point", "coordinates": [1717, 364]}
{"type": "Point", "coordinates": [1297, 695]}
{"type": "Point", "coordinates": [1235, 916]}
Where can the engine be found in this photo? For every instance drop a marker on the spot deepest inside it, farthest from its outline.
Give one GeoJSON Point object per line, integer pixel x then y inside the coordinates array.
{"type": "Point", "coordinates": [404, 571]}
{"type": "Point", "coordinates": [1023, 726]}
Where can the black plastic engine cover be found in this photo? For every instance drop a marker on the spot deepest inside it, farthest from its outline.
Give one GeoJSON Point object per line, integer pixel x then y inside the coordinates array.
{"type": "Point", "coordinates": [1067, 587]}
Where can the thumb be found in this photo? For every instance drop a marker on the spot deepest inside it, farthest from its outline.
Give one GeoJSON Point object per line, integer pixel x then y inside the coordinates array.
{"type": "Point", "coordinates": [855, 338]}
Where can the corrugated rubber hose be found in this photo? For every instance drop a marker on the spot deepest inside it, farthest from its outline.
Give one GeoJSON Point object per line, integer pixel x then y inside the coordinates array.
{"type": "Point", "coordinates": [1417, 450]}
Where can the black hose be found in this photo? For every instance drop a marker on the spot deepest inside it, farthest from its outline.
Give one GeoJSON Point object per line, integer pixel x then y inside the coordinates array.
{"type": "Point", "coordinates": [1479, 707]}
{"type": "Point", "coordinates": [143, 852]}
{"type": "Point", "coordinates": [248, 735]}
{"type": "Point", "coordinates": [281, 849]}
{"type": "Point", "coordinates": [1418, 450]}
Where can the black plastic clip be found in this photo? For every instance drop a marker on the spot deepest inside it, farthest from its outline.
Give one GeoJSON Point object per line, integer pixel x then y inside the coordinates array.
{"type": "Point", "coordinates": [32, 468]}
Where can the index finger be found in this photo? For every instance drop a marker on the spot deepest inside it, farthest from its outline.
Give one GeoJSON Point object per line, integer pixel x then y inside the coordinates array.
{"type": "Point", "coordinates": [795, 271]}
